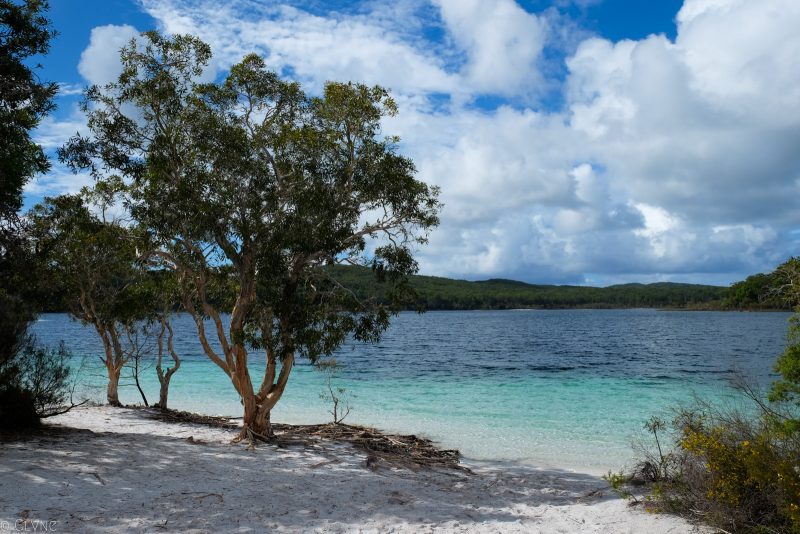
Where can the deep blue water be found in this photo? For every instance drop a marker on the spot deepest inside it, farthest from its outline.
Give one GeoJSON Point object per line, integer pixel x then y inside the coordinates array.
{"type": "Point", "coordinates": [567, 388]}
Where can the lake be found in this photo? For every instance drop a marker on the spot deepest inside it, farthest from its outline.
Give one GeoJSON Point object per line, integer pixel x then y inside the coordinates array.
{"type": "Point", "coordinates": [555, 388]}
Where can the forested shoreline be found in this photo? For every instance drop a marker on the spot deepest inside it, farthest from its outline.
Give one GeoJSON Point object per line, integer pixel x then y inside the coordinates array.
{"type": "Point", "coordinates": [437, 293]}
{"type": "Point", "coordinates": [759, 292]}
{"type": "Point", "coordinates": [756, 293]}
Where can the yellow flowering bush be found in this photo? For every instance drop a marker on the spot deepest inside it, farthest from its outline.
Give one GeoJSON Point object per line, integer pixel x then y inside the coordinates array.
{"type": "Point", "coordinates": [737, 472]}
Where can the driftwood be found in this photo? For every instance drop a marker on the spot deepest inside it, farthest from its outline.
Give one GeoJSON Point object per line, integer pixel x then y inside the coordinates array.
{"type": "Point", "coordinates": [396, 449]}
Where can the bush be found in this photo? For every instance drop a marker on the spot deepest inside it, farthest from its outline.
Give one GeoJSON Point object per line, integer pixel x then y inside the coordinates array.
{"type": "Point", "coordinates": [17, 408]}
{"type": "Point", "coordinates": [34, 383]}
{"type": "Point", "coordinates": [735, 471]}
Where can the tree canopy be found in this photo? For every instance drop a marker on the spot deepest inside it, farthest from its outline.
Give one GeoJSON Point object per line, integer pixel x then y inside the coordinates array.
{"type": "Point", "coordinates": [24, 99]}
{"type": "Point", "coordinates": [33, 379]}
{"type": "Point", "coordinates": [787, 387]}
{"type": "Point", "coordinates": [93, 266]}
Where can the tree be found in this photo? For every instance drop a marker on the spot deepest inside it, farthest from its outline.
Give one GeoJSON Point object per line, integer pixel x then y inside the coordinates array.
{"type": "Point", "coordinates": [24, 100]}
{"type": "Point", "coordinates": [137, 340]}
{"type": "Point", "coordinates": [93, 263]}
{"type": "Point", "coordinates": [338, 396]}
{"type": "Point", "coordinates": [252, 185]}
{"type": "Point", "coordinates": [787, 387]}
{"type": "Point", "coordinates": [24, 32]}
{"type": "Point", "coordinates": [164, 376]}
{"type": "Point", "coordinates": [166, 298]}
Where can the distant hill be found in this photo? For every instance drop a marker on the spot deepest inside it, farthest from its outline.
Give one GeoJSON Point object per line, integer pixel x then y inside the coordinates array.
{"type": "Point", "coordinates": [437, 293]}
{"type": "Point", "coordinates": [757, 292]}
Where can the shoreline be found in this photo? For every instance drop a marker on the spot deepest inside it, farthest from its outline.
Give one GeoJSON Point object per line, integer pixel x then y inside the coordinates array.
{"type": "Point", "coordinates": [591, 307]}
{"type": "Point", "coordinates": [235, 422]}
{"type": "Point", "coordinates": [104, 469]}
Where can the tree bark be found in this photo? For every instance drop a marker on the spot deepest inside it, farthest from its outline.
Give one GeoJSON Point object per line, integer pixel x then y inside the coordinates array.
{"type": "Point", "coordinates": [258, 408]}
{"type": "Point", "coordinates": [114, 358]}
{"type": "Point", "coordinates": [163, 394]}
{"type": "Point", "coordinates": [112, 392]}
{"type": "Point", "coordinates": [165, 377]}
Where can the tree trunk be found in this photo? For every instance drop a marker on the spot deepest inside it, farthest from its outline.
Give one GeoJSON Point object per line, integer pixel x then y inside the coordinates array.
{"type": "Point", "coordinates": [258, 408]}
{"type": "Point", "coordinates": [163, 380]}
{"type": "Point", "coordinates": [136, 379]}
{"type": "Point", "coordinates": [263, 422]}
{"type": "Point", "coordinates": [253, 427]}
{"type": "Point", "coordinates": [112, 393]}
{"type": "Point", "coordinates": [115, 366]}
{"type": "Point", "coordinates": [256, 422]}
{"type": "Point", "coordinates": [163, 394]}
{"type": "Point", "coordinates": [165, 377]}
{"type": "Point", "coordinates": [113, 370]}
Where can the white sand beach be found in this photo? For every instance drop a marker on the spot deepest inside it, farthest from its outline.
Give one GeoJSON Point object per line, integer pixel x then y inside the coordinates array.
{"type": "Point", "coordinates": [103, 469]}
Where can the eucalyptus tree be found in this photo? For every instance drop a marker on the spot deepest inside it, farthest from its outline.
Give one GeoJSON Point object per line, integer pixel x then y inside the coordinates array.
{"type": "Point", "coordinates": [251, 185]}
{"type": "Point", "coordinates": [165, 300]}
{"type": "Point", "coordinates": [92, 264]}
{"type": "Point", "coordinates": [25, 99]}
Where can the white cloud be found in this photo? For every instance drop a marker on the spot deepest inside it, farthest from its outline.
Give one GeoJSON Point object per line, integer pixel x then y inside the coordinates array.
{"type": "Point", "coordinates": [743, 57]}
{"type": "Point", "coordinates": [69, 89]}
{"type": "Point", "coordinates": [589, 187]}
{"type": "Point", "coordinates": [58, 181]}
{"type": "Point", "coordinates": [702, 127]}
{"type": "Point", "coordinates": [315, 48]}
{"type": "Point", "coordinates": [54, 132]}
{"type": "Point", "coordinates": [100, 63]}
{"type": "Point", "coordinates": [670, 159]}
{"type": "Point", "coordinates": [659, 229]}
{"type": "Point", "coordinates": [502, 41]}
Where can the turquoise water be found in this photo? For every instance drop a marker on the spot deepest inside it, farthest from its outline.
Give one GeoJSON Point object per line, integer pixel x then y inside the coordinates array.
{"type": "Point", "coordinates": [566, 388]}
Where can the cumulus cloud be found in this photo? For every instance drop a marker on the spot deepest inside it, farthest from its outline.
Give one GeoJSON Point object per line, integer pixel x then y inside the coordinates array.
{"type": "Point", "coordinates": [502, 41]}
{"type": "Point", "coordinates": [668, 157]}
{"type": "Point", "coordinates": [100, 62]}
{"type": "Point", "coordinates": [702, 127]}
{"type": "Point", "coordinates": [667, 160]}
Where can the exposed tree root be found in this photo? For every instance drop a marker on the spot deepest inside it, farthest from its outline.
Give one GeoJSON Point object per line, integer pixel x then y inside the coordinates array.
{"type": "Point", "coordinates": [175, 416]}
{"type": "Point", "coordinates": [407, 451]}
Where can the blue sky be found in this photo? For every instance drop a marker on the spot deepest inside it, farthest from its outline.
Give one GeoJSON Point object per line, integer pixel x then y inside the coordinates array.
{"type": "Point", "coordinates": [575, 141]}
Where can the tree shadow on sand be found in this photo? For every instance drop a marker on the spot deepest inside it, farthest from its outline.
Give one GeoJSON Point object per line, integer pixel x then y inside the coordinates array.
{"type": "Point", "coordinates": [114, 481]}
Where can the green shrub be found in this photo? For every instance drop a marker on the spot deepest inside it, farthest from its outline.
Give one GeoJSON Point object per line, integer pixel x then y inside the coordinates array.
{"type": "Point", "coordinates": [735, 471]}
{"type": "Point", "coordinates": [34, 383]}
{"type": "Point", "coordinates": [619, 483]}
{"type": "Point", "coordinates": [17, 408]}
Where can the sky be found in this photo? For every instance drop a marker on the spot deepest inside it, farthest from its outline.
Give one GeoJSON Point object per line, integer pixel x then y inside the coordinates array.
{"type": "Point", "coordinates": [575, 141]}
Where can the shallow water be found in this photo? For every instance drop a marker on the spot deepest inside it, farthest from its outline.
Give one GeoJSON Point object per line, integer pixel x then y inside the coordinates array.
{"type": "Point", "coordinates": [562, 388]}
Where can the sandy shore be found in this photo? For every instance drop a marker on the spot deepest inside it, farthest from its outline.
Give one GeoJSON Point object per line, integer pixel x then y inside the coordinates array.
{"type": "Point", "coordinates": [102, 469]}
